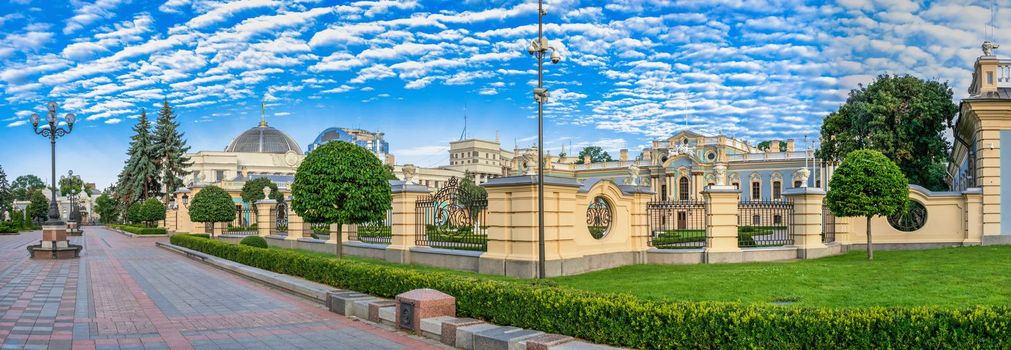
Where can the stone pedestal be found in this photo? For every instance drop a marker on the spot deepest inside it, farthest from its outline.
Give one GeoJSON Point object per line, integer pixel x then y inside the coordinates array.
{"type": "Point", "coordinates": [721, 233]}
{"type": "Point", "coordinates": [54, 244]}
{"type": "Point", "coordinates": [418, 304]}
{"type": "Point", "coordinates": [404, 227]}
{"type": "Point", "coordinates": [74, 229]}
{"type": "Point", "coordinates": [265, 216]}
{"type": "Point", "coordinates": [806, 221]}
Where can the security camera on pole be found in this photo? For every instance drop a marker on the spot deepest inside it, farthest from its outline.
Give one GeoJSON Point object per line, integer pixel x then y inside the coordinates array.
{"type": "Point", "coordinates": [539, 48]}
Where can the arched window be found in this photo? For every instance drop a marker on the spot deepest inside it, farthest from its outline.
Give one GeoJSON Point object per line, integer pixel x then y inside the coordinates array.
{"type": "Point", "coordinates": [683, 188]}
{"type": "Point", "coordinates": [756, 191]}
{"type": "Point", "coordinates": [797, 183]}
{"type": "Point", "coordinates": [777, 190]}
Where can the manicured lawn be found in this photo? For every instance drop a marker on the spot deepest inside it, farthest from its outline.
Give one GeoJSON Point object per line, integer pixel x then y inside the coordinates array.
{"type": "Point", "coordinates": [950, 277]}
{"type": "Point", "coordinates": [958, 277]}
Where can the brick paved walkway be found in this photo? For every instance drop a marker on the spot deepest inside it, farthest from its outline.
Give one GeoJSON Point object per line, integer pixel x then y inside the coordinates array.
{"type": "Point", "coordinates": [126, 293]}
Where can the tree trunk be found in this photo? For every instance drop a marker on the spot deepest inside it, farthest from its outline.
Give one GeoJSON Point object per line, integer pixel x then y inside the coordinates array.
{"type": "Point", "coordinates": [340, 238]}
{"type": "Point", "coordinates": [870, 242]}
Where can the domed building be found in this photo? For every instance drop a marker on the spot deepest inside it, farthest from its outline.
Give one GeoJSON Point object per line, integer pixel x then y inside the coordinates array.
{"type": "Point", "coordinates": [261, 151]}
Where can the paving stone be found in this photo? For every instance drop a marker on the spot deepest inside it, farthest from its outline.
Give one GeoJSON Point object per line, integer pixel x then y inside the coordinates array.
{"type": "Point", "coordinates": [465, 335]}
{"type": "Point", "coordinates": [129, 294]}
{"type": "Point", "coordinates": [432, 326]}
{"type": "Point", "coordinates": [503, 338]}
{"type": "Point", "coordinates": [342, 302]}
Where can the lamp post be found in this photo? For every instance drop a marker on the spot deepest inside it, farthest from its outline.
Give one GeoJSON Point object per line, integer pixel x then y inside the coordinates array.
{"type": "Point", "coordinates": [539, 48]}
{"type": "Point", "coordinates": [53, 132]}
{"type": "Point", "coordinates": [175, 207]}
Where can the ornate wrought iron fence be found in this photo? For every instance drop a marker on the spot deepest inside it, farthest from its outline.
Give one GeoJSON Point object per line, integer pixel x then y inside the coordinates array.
{"type": "Point", "coordinates": [452, 218]}
{"type": "Point", "coordinates": [379, 232]}
{"type": "Point", "coordinates": [764, 223]}
{"type": "Point", "coordinates": [677, 224]}
{"type": "Point", "coordinates": [244, 222]}
{"type": "Point", "coordinates": [827, 225]}
{"type": "Point", "coordinates": [279, 213]}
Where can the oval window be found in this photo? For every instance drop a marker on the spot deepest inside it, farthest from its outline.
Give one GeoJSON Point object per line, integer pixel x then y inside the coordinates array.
{"type": "Point", "coordinates": [912, 219]}
{"type": "Point", "coordinates": [598, 217]}
{"type": "Point", "coordinates": [711, 156]}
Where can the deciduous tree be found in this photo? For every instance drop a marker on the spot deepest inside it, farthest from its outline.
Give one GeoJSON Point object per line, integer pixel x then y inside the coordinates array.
{"type": "Point", "coordinates": [867, 184]}
{"type": "Point", "coordinates": [38, 206]}
{"type": "Point", "coordinates": [341, 183]}
{"type": "Point", "coordinates": [23, 186]}
{"type": "Point", "coordinates": [252, 191]}
{"type": "Point", "coordinates": [212, 204]}
{"type": "Point", "coordinates": [597, 154]}
{"type": "Point", "coordinates": [903, 117]}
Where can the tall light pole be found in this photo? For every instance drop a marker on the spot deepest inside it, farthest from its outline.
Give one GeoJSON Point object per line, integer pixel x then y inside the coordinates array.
{"type": "Point", "coordinates": [53, 132]}
{"type": "Point", "coordinates": [538, 48]}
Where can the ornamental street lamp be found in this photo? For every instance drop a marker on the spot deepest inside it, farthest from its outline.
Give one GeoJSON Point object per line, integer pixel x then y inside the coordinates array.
{"type": "Point", "coordinates": [175, 206]}
{"type": "Point", "coordinates": [539, 48]}
{"type": "Point", "coordinates": [53, 131]}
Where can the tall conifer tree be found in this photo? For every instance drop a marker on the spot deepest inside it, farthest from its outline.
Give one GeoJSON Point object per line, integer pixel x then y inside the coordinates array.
{"type": "Point", "coordinates": [170, 150]}
{"type": "Point", "coordinates": [6, 198]}
{"type": "Point", "coordinates": [139, 179]}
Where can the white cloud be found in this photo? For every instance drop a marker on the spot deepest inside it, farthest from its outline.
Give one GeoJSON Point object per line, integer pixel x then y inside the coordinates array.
{"type": "Point", "coordinates": [17, 123]}
{"type": "Point", "coordinates": [87, 13]}
{"type": "Point", "coordinates": [227, 10]}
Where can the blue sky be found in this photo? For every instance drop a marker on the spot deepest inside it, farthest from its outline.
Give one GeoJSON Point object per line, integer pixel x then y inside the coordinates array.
{"type": "Point", "coordinates": [633, 70]}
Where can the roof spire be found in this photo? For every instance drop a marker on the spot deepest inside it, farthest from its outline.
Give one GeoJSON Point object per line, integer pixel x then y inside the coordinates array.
{"type": "Point", "coordinates": [263, 112]}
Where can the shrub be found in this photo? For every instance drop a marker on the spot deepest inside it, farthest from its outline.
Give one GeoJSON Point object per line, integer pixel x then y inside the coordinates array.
{"type": "Point", "coordinates": [623, 320]}
{"type": "Point", "coordinates": [152, 210]}
{"type": "Point", "coordinates": [135, 212]}
{"type": "Point", "coordinates": [212, 204]}
{"type": "Point", "coordinates": [254, 241]}
{"type": "Point", "coordinates": [8, 227]}
{"type": "Point", "coordinates": [200, 235]}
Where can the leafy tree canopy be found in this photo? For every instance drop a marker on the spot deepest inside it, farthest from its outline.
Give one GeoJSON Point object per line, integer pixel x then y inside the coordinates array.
{"type": "Point", "coordinates": [903, 117]}
{"type": "Point", "coordinates": [867, 184]}
{"type": "Point", "coordinates": [252, 191]}
{"type": "Point", "coordinates": [23, 186]}
{"type": "Point", "coordinates": [38, 206]}
{"type": "Point", "coordinates": [212, 204]}
{"type": "Point", "coordinates": [71, 185]}
{"type": "Point", "coordinates": [764, 145]}
{"type": "Point", "coordinates": [597, 154]}
{"type": "Point", "coordinates": [135, 213]}
{"type": "Point", "coordinates": [341, 183]}
{"type": "Point", "coordinates": [152, 210]}
{"type": "Point", "coordinates": [106, 207]}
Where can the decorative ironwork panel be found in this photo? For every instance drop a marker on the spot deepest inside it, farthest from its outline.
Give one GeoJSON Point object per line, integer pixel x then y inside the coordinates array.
{"type": "Point", "coordinates": [406, 320]}
{"type": "Point", "coordinates": [827, 225]}
{"type": "Point", "coordinates": [912, 219]}
{"type": "Point", "coordinates": [244, 222]}
{"type": "Point", "coordinates": [379, 232]}
{"type": "Point", "coordinates": [280, 214]}
{"type": "Point", "coordinates": [765, 223]}
{"type": "Point", "coordinates": [452, 218]}
{"type": "Point", "coordinates": [598, 217]}
{"type": "Point", "coordinates": [677, 224]}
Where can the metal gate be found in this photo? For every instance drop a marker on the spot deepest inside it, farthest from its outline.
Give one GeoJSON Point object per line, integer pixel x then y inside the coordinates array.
{"type": "Point", "coordinates": [764, 223]}
{"type": "Point", "coordinates": [677, 224]}
{"type": "Point", "coordinates": [452, 218]}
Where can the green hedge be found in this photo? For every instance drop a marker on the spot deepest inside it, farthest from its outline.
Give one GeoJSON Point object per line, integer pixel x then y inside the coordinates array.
{"type": "Point", "coordinates": [9, 227]}
{"type": "Point", "coordinates": [141, 230]}
{"type": "Point", "coordinates": [623, 320]}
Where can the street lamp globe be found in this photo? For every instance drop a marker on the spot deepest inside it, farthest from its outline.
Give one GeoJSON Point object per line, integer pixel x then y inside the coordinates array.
{"type": "Point", "coordinates": [71, 117]}
{"type": "Point", "coordinates": [35, 119]}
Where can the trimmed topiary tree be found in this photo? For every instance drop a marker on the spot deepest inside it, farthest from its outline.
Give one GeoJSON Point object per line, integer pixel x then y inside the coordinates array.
{"type": "Point", "coordinates": [341, 183]}
{"type": "Point", "coordinates": [135, 213]}
{"type": "Point", "coordinates": [152, 210]}
{"type": "Point", "coordinates": [212, 204]}
{"type": "Point", "coordinates": [38, 207]}
{"type": "Point", "coordinates": [254, 241]}
{"type": "Point", "coordinates": [867, 184]}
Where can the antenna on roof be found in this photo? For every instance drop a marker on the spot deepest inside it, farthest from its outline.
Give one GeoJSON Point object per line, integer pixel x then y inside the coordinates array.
{"type": "Point", "coordinates": [463, 135]}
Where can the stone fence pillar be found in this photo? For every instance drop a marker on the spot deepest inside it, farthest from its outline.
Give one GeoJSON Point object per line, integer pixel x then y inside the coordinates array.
{"type": "Point", "coordinates": [806, 220]}
{"type": "Point", "coordinates": [296, 225]}
{"type": "Point", "coordinates": [264, 221]}
{"type": "Point", "coordinates": [973, 216]}
{"type": "Point", "coordinates": [512, 219]}
{"type": "Point", "coordinates": [721, 233]}
{"type": "Point", "coordinates": [405, 222]}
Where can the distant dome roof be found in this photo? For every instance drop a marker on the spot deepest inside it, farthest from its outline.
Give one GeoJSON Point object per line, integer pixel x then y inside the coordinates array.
{"type": "Point", "coordinates": [263, 139]}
